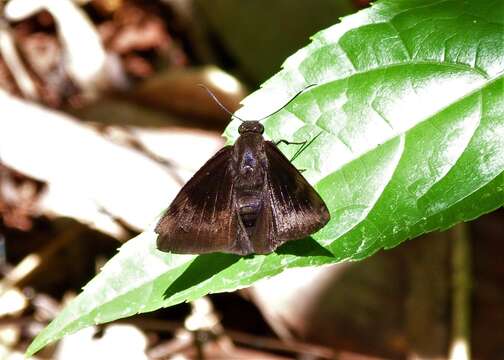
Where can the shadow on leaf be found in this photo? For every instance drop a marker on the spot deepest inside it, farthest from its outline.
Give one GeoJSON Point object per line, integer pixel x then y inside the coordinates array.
{"type": "Point", "coordinates": [207, 265]}
{"type": "Point", "coordinates": [202, 268]}
{"type": "Point", "coordinates": [304, 247]}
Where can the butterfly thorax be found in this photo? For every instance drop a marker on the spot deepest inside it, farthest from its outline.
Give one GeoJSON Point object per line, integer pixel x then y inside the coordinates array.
{"type": "Point", "coordinates": [249, 169]}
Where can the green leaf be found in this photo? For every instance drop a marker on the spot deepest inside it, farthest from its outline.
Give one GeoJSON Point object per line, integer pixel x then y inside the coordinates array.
{"type": "Point", "coordinates": [410, 103]}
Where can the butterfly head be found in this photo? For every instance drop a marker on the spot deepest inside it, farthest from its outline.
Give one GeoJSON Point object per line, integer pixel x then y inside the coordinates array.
{"type": "Point", "coordinates": [251, 127]}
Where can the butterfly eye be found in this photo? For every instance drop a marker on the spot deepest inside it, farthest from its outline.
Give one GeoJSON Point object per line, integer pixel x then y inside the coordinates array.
{"type": "Point", "coordinates": [252, 127]}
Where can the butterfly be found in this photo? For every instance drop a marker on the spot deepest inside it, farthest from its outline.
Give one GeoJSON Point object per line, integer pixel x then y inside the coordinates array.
{"type": "Point", "coordinates": [248, 198]}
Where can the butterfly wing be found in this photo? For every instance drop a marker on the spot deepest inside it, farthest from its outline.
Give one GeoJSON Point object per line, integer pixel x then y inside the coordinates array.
{"type": "Point", "coordinates": [264, 239]}
{"type": "Point", "coordinates": [296, 209]}
{"type": "Point", "coordinates": [202, 217]}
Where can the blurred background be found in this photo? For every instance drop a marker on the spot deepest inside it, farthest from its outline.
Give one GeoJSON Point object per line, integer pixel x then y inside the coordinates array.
{"type": "Point", "coordinates": [101, 123]}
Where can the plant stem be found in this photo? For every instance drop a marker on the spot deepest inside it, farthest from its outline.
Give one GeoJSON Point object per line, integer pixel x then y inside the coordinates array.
{"type": "Point", "coordinates": [460, 348]}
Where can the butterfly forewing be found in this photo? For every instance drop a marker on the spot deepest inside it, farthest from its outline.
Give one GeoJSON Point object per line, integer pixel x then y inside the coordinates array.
{"type": "Point", "coordinates": [297, 210]}
{"type": "Point", "coordinates": [202, 217]}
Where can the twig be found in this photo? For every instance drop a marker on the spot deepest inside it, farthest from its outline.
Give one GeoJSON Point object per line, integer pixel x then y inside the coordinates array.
{"type": "Point", "coordinates": [262, 342]}
{"type": "Point", "coordinates": [460, 348]}
{"type": "Point", "coordinates": [258, 342]}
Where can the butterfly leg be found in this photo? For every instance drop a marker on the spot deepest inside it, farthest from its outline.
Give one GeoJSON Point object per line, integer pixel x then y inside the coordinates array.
{"type": "Point", "coordinates": [289, 142]}
{"type": "Point", "coordinates": [304, 145]}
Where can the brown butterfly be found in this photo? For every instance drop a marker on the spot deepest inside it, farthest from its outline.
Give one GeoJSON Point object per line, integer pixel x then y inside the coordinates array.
{"type": "Point", "coordinates": [248, 198]}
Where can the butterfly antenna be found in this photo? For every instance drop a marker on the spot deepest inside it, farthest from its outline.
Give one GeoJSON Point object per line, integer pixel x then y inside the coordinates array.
{"type": "Point", "coordinates": [288, 102]}
{"type": "Point", "coordinates": [261, 119]}
{"type": "Point", "coordinates": [212, 95]}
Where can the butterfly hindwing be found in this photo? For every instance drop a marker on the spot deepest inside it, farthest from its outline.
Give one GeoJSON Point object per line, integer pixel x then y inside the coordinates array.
{"type": "Point", "coordinates": [264, 239]}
